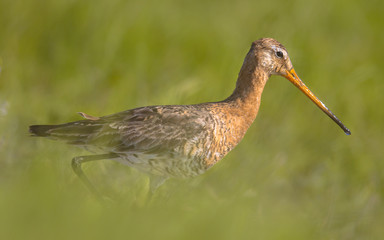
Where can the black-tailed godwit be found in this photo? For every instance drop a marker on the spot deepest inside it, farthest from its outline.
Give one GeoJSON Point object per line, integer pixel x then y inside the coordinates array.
{"type": "Point", "coordinates": [181, 140]}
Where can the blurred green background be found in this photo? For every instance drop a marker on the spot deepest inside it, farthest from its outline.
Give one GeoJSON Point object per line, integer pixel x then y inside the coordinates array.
{"type": "Point", "coordinates": [294, 176]}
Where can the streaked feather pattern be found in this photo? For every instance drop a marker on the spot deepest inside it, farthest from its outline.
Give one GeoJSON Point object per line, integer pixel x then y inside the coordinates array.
{"type": "Point", "coordinates": [173, 140]}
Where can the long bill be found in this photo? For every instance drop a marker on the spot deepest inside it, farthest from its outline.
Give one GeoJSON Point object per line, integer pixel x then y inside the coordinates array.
{"type": "Point", "coordinates": [292, 76]}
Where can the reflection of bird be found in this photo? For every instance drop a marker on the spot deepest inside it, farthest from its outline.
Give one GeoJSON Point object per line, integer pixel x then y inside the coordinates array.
{"type": "Point", "coordinates": [181, 140]}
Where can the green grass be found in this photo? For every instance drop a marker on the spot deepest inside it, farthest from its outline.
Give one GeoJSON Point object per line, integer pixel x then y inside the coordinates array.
{"type": "Point", "coordinates": [294, 176]}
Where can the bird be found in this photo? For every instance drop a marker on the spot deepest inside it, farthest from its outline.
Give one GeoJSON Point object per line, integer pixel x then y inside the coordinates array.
{"type": "Point", "coordinates": [181, 141]}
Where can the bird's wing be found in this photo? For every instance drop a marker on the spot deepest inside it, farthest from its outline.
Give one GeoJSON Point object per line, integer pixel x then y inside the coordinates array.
{"type": "Point", "coordinates": [152, 129]}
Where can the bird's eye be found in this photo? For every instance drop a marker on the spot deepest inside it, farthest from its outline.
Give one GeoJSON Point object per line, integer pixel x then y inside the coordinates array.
{"type": "Point", "coordinates": [279, 54]}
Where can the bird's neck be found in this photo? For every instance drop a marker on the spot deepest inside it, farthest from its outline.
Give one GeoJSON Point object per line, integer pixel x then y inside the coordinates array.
{"type": "Point", "coordinates": [246, 97]}
{"type": "Point", "coordinates": [238, 111]}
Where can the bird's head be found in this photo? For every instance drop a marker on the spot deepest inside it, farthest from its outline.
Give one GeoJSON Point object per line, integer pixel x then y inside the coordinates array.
{"type": "Point", "coordinates": [272, 57]}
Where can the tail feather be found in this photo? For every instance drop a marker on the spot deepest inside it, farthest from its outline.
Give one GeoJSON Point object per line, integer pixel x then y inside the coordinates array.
{"type": "Point", "coordinates": [71, 132]}
{"type": "Point", "coordinates": [41, 130]}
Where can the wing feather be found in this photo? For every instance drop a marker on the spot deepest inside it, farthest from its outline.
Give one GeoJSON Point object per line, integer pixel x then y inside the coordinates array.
{"type": "Point", "coordinates": [154, 128]}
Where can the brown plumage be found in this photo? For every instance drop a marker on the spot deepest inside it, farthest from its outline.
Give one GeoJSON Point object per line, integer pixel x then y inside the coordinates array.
{"type": "Point", "coordinates": [181, 140]}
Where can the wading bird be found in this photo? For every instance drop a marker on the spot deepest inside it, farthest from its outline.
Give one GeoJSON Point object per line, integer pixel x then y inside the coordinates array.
{"type": "Point", "coordinates": [181, 140]}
